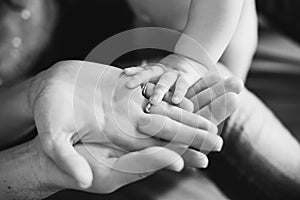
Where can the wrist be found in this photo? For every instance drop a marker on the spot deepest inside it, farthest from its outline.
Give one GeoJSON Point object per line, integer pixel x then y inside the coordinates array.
{"type": "Point", "coordinates": [193, 50]}
{"type": "Point", "coordinates": [43, 169]}
{"type": "Point", "coordinates": [185, 65]}
{"type": "Point", "coordinates": [25, 170]}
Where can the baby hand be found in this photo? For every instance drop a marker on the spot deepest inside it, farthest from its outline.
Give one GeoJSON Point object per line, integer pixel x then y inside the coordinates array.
{"type": "Point", "coordinates": [174, 71]}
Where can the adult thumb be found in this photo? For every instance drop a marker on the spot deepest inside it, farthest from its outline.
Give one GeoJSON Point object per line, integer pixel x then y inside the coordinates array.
{"type": "Point", "coordinates": [70, 161]}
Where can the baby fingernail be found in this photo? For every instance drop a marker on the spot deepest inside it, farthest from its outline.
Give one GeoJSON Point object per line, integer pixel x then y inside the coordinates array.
{"type": "Point", "coordinates": [129, 69]}
{"type": "Point", "coordinates": [154, 100]}
{"type": "Point", "coordinates": [175, 99]}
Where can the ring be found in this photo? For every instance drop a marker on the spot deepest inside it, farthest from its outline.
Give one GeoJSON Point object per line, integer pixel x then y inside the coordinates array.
{"type": "Point", "coordinates": [148, 107]}
{"type": "Point", "coordinates": [144, 88]}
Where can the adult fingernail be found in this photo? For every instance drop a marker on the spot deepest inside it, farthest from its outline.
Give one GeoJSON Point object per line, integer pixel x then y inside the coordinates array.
{"type": "Point", "coordinates": [212, 142]}
{"type": "Point", "coordinates": [154, 100]}
{"type": "Point", "coordinates": [177, 166]}
{"type": "Point", "coordinates": [213, 128]}
{"type": "Point", "coordinates": [218, 146]}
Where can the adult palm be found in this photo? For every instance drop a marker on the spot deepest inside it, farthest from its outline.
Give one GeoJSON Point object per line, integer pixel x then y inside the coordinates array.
{"type": "Point", "coordinates": [81, 102]}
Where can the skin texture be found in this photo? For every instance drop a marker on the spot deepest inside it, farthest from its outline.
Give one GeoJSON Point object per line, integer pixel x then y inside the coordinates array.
{"type": "Point", "coordinates": [29, 163]}
{"type": "Point", "coordinates": [214, 98]}
{"type": "Point", "coordinates": [228, 34]}
{"type": "Point", "coordinates": [242, 45]}
{"type": "Point", "coordinates": [28, 173]}
{"type": "Point", "coordinates": [176, 72]}
{"type": "Point", "coordinates": [61, 102]}
{"type": "Point", "coordinates": [194, 18]}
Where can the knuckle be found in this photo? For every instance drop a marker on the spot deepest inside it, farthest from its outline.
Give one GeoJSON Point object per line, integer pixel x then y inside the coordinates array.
{"type": "Point", "coordinates": [161, 89]}
{"type": "Point", "coordinates": [160, 67]}
{"type": "Point", "coordinates": [48, 146]}
{"type": "Point", "coordinates": [52, 143]}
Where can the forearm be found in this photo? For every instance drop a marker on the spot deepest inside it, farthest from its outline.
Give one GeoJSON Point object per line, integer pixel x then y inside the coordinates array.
{"type": "Point", "coordinates": [15, 116]}
{"type": "Point", "coordinates": [21, 174]}
{"type": "Point", "coordinates": [212, 24]}
{"type": "Point", "coordinates": [239, 54]}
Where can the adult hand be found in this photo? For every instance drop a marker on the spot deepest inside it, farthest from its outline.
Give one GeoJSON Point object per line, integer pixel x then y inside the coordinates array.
{"type": "Point", "coordinates": [28, 173]}
{"type": "Point", "coordinates": [215, 96]}
{"type": "Point", "coordinates": [79, 102]}
{"type": "Point", "coordinates": [112, 168]}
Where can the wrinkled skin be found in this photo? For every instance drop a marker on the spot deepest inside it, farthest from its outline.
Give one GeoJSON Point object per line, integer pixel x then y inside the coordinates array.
{"type": "Point", "coordinates": [102, 159]}
{"type": "Point", "coordinates": [77, 102]}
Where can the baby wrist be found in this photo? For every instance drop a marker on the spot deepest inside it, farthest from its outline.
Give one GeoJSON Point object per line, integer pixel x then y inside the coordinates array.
{"type": "Point", "coordinates": [193, 50]}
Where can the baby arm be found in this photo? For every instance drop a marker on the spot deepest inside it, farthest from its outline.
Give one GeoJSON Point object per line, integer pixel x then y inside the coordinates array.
{"type": "Point", "coordinates": [239, 53]}
{"type": "Point", "coordinates": [212, 31]}
{"type": "Point", "coordinates": [212, 24]}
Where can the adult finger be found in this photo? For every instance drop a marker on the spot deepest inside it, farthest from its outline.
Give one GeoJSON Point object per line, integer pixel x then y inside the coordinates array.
{"type": "Point", "coordinates": [185, 104]}
{"type": "Point", "coordinates": [149, 160]}
{"type": "Point", "coordinates": [138, 165]}
{"type": "Point", "coordinates": [205, 82]}
{"type": "Point", "coordinates": [114, 168]}
{"type": "Point", "coordinates": [181, 88]}
{"type": "Point", "coordinates": [191, 157]}
{"type": "Point", "coordinates": [163, 86]}
{"type": "Point", "coordinates": [205, 97]}
{"type": "Point", "coordinates": [220, 108]}
{"type": "Point", "coordinates": [183, 116]}
{"type": "Point", "coordinates": [172, 131]}
{"type": "Point", "coordinates": [150, 74]}
{"type": "Point", "coordinates": [64, 155]}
